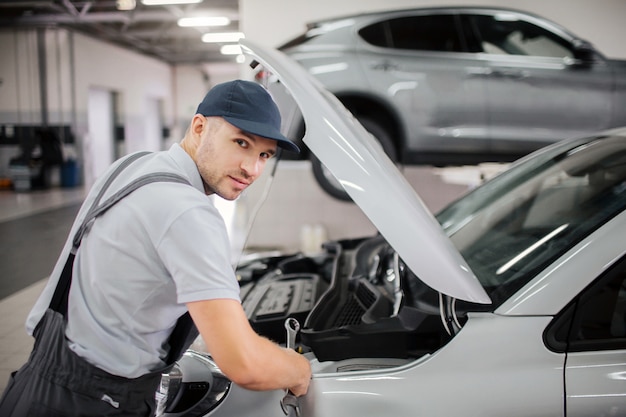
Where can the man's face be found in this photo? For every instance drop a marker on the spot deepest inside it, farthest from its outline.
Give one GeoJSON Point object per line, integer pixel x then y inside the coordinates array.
{"type": "Point", "coordinates": [229, 160]}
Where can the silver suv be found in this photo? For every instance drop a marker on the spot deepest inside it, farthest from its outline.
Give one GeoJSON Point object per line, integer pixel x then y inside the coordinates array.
{"type": "Point", "coordinates": [461, 85]}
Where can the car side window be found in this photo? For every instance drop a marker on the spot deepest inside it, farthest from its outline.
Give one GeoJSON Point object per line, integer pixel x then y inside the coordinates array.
{"type": "Point", "coordinates": [597, 319]}
{"type": "Point", "coordinates": [423, 33]}
{"type": "Point", "coordinates": [601, 312]}
{"type": "Point", "coordinates": [507, 35]}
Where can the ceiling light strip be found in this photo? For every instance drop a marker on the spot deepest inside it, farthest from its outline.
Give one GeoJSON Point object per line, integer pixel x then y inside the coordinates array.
{"type": "Point", "coordinates": [203, 21]}
{"type": "Point", "coordinates": [164, 2]}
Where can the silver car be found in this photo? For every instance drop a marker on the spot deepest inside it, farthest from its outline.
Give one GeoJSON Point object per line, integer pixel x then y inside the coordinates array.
{"type": "Point", "coordinates": [461, 85]}
{"type": "Point", "coordinates": [511, 301]}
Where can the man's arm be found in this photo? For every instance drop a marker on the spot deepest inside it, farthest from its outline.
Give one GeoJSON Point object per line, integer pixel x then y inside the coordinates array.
{"type": "Point", "coordinates": [249, 360]}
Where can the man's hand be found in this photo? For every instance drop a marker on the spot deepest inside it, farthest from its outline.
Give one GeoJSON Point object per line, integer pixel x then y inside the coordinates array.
{"type": "Point", "coordinates": [247, 359]}
{"type": "Point", "coordinates": [301, 388]}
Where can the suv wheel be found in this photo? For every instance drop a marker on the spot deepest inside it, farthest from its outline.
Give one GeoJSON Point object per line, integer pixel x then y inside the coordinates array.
{"type": "Point", "coordinates": [325, 178]}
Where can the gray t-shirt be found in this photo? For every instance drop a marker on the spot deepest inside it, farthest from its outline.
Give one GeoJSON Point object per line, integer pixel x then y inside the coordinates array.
{"type": "Point", "coordinates": [162, 246]}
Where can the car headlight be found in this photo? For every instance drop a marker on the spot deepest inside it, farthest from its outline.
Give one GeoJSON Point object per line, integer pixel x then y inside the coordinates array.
{"type": "Point", "coordinates": [193, 387]}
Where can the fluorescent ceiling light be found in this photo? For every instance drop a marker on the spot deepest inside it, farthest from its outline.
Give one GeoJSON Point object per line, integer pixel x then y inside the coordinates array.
{"type": "Point", "coordinates": [223, 37]}
{"type": "Point", "coordinates": [125, 4]}
{"type": "Point", "coordinates": [162, 2]}
{"type": "Point", "coordinates": [231, 50]}
{"type": "Point", "coordinates": [201, 21]}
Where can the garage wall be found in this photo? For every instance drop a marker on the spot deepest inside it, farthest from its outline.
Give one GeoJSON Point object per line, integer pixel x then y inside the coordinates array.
{"type": "Point", "coordinates": [19, 90]}
{"type": "Point", "coordinates": [75, 64]}
{"type": "Point", "coordinates": [136, 78]}
{"type": "Point", "coordinates": [272, 22]}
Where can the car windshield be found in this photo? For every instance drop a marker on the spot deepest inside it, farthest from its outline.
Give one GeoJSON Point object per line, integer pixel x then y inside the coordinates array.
{"type": "Point", "coordinates": [513, 227]}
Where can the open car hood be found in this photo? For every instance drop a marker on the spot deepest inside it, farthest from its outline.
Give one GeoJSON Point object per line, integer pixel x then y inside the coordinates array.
{"type": "Point", "coordinates": [372, 180]}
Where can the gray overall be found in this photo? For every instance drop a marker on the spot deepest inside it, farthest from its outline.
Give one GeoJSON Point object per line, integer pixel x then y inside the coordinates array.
{"type": "Point", "coordinates": [55, 381]}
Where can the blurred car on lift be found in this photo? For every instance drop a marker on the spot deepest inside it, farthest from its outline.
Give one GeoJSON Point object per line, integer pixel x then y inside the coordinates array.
{"type": "Point", "coordinates": [460, 85]}
{"type": "Point", "coordinates": [511, 301]}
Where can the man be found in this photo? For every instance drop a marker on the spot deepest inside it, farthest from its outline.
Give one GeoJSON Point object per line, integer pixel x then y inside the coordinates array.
{"type": "Point", "coordinates": [157, 253]}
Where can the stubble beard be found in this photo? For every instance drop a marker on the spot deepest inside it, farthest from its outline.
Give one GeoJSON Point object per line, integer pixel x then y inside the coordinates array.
{"type": "Point", "coordinates": [219, 184]}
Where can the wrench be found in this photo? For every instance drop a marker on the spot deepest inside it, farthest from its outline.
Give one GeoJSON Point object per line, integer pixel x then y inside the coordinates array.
{"type": "Point", "coordinates": [293, 327]}
{"type": "Point", "coordinates": [289, 400]}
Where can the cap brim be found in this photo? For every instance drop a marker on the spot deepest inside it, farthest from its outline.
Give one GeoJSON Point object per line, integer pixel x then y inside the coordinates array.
{"type": "Point", "coordinates": [265, 131]}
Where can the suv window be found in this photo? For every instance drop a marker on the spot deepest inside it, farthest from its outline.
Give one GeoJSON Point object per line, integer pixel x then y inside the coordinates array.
{"type": "Point", "coordinates": [508, 35]}
{"type": "Point", "coordinates": [601, 313]}
{"type": "Point", "coordinates": [424, 33]}
{"type": "Point", "coordinates": [597, 319]}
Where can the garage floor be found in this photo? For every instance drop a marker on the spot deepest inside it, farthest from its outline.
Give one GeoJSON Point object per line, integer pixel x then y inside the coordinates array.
{"type": "Point", "coordinates": [296, 215]}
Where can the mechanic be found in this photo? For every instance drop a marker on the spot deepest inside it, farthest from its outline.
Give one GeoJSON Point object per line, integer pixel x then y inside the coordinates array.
{"type": "Point", "coordinates": [158, 253]}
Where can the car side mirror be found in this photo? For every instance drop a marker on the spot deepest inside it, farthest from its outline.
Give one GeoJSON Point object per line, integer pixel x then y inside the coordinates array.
{"type": "Point", "coordinates": [584, 54]}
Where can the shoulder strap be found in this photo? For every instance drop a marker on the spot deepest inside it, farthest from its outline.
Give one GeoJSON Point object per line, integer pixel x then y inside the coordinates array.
{"type": "Point", "coordinates": [185, 331]}
{"type": "Point", "coordinates": [98, 209]}
{"type": "Point", "coordinates": [61, 293]}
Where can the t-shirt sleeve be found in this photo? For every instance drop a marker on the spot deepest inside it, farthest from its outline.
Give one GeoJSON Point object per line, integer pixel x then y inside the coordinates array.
{"type": "Point", "coordinates": [196, 251]}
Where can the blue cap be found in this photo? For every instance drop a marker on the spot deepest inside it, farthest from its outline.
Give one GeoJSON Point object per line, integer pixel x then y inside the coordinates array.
{"type": "Point", "coordinates": [248, 106]}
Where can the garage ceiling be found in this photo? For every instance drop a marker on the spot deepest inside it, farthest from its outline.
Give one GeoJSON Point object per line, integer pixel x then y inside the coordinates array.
{"type": "Point", "coordinates": [150, 30]}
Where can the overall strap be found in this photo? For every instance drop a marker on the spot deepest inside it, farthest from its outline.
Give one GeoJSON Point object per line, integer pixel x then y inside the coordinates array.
{"type": "Point", "coordinates": [122, 166]}
{"type": "Point", "coordinates": [97, 210]}
{"type": "Point", "coordinates": [61, 293]}
{"type": "Point", "coordinates": [185, 331]}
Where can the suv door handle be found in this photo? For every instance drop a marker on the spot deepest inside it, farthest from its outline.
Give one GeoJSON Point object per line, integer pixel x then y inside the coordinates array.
{"type": "Point", "coordinates": [516, 74]}
{"type": "Point", "coordinates": [478, 71]}
{"type": "Point", "coordinates": [384, 66]}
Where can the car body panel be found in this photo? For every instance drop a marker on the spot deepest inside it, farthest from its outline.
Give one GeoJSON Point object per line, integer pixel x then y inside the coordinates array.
{"type": "Point", "coordinates": [455, 116]}
{"type": "Point", "coordinates": [552, 100]}
{"type": "Point", "coordinates": [358, 162]}
{"type": "Point", "coordinates": [505, 387]}
{"type": "Point", "coordinates": [455, 367]}
{"type": "Point", "coordinates": [595, 381]}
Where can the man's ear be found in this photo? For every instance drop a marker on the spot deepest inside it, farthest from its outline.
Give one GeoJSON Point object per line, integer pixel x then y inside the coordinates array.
{"type": "Point", "coordinates": [198, 124]}
{"type": "Point", "coordinates": [193, 135]}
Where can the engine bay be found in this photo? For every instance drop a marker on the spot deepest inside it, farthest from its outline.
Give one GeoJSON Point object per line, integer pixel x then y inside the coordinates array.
{"type": "Point", "coordinates": [355, 299]}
